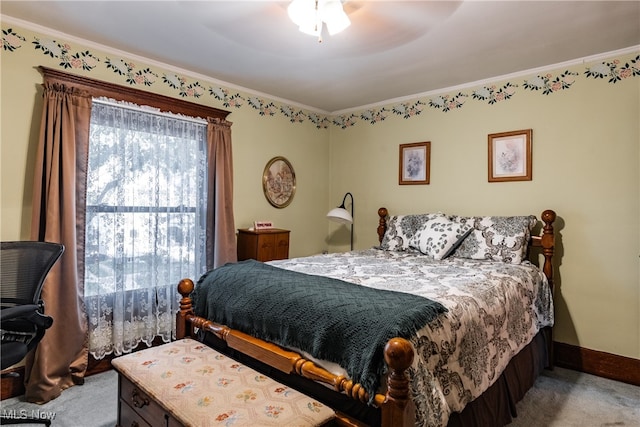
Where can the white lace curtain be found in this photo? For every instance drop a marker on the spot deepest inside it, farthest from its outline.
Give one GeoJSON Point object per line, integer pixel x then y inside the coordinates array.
{"type": "Point", "coordinates": [145, 222]}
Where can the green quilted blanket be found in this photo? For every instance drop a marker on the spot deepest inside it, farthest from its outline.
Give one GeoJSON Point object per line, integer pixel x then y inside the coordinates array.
{"type": "Point", "coordinates": [328, 318]}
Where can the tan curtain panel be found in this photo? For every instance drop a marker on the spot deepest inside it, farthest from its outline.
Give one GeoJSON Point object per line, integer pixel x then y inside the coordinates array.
{"type": "Point", "coordinates": [61, 358]}
{"type": "Point", "coordinates": [221, 237]}
{"type": "Point", "coordinates": [59, 205]}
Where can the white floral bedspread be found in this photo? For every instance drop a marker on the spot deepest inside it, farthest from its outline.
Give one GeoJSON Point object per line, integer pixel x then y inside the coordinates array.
{"type": "Point", "coordinates": [495, 309]}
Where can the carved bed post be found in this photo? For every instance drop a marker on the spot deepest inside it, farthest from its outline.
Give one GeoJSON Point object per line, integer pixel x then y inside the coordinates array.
{"type": "Point", "coordinates": [185, 287]}
{"type": "Point", "coordinates": [398, 353]}
{"type": "Point", "coordinates": [382, 224]}
{"type": "Point", "coordinates": [548, 244]}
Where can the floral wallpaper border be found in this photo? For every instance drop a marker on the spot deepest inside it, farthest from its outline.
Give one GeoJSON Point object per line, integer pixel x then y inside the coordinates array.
{"type": "Point", "coordinates": [612, 71]}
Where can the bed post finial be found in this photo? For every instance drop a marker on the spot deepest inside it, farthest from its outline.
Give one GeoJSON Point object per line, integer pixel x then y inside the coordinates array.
{"type": "Point", "coordinates": [548, 217]}
{"type": "Point", "coordinates": [185, 287]}
{"type": "Point", "coordinates": [382, 224]}
{"type": "Point", "coordinates": [398, 354]}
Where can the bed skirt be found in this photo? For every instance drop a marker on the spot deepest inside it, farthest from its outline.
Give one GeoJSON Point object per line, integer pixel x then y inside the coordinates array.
{"type": "Point", "coordinates": [495, 407]}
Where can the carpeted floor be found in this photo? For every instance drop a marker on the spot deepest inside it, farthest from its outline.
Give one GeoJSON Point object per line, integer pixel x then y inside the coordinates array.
{"type": "Point", "coordinates": [93, 404]}
{"type": "Point", "coordinates": [565, 398]}
{"type": "Point", "coordinates": [560, 398]}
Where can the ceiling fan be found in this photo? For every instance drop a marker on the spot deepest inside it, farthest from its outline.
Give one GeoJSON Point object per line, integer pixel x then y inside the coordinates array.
{"type": "Point", "coordinates": [311, 15]}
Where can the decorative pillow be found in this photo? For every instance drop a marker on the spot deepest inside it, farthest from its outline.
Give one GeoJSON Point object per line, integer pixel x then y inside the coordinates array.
{"type": "Point", "coordinates": [401, 228]}
{"type": "Point", "coordinates": [498, 238]}
{"type": "Point", "coordinates": [438, 237]}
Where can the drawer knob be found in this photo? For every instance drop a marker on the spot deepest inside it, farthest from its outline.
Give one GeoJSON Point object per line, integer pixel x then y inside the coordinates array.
{"type": "Point", "coordinates": [135, 424]}
{"type": "Point", "coordinates": [138, 400]}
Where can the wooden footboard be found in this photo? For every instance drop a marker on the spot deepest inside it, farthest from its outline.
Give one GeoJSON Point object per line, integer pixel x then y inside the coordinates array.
{"type": "Point", "coordinates": [398, 354]}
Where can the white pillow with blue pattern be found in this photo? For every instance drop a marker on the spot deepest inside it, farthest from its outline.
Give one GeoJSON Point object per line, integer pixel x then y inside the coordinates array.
{"type": "Point", "coordinates": [401, 228]}
{"type": "Point", "coordinates": [496, 238]}
{"type": "Point", "coordinates": [438, 237]}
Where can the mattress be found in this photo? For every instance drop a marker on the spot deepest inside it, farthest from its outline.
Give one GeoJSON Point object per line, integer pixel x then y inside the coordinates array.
{"type": "Point", "coordinates": [494, 310]}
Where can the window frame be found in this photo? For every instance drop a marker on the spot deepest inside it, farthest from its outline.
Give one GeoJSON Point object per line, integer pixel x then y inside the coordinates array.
{"type": "Point", "coordinates": [99, 88]}
{"type": "Point", "coordinates": [95, 208]}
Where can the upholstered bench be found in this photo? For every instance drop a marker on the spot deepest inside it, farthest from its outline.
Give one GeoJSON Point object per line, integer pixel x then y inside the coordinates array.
{"type": "Point", "coordinates": [187, 383]}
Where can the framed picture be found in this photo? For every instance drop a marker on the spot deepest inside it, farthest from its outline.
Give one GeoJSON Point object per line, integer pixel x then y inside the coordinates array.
{"type": "Point", "coordinates": [279, 182]}
{"type": "Point", "coordinates": [414, 163]}
{"type": "Point", "coordinates": [510, 156]}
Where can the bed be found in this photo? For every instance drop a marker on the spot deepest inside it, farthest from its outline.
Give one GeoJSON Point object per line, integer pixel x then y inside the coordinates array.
{"type": "Point", "coordinates": [485, 338]}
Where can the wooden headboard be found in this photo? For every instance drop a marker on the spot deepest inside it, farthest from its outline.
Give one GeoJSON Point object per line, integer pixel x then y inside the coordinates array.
{"type": "Point", "coordinates": [546, 242]}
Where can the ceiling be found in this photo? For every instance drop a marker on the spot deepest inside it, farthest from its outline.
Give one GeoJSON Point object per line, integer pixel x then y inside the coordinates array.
{"type": "Point", "coordinates": [393, 49]}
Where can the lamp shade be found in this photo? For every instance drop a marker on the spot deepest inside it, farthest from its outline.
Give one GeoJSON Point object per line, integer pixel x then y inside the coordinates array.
{"type": "Point", "coordinates": [340, 215]}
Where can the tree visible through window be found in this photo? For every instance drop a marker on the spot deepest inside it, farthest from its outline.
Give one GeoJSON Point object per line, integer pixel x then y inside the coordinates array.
{"type": "Point", "coordinates": [145, 222]}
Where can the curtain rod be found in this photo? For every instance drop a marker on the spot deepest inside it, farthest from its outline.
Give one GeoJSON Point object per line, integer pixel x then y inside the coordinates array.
{"type": "Point", "coordinates": [147, 109]}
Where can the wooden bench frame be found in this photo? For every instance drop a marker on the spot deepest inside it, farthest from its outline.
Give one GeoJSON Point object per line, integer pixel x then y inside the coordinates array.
{"type": "Point", "coordinates": [150, 389]}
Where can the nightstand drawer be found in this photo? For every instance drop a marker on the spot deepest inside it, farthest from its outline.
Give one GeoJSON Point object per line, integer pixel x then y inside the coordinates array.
{"type": "Point", "coordinates": [263, 245]}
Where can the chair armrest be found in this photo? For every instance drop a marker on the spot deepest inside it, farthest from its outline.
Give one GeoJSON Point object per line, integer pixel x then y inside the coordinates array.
{"type": "Point", "coordinates": [17, 311]}
{"type": "Point", "coordinates": [28, 312]}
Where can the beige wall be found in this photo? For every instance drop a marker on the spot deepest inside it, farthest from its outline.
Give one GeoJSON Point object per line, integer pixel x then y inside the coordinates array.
{"type": "Point", "coordinates": [586, 160]}
{"type": "Point", "coordinates": [255, 141]}
{"type": "Point", "coordinates": [585, 167]}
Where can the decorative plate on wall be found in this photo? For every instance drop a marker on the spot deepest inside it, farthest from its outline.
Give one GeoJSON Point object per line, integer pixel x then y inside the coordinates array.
{"type": "Point", "coordinates": [279, 182]}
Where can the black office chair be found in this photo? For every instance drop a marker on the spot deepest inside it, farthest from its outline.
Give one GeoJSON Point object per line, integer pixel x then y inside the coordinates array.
{"type": "Point", "coordinates": [23, 268]}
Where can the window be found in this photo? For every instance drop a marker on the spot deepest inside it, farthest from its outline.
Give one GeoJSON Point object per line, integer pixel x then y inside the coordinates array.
{"type": "Point", "coordinates": [145, 222]}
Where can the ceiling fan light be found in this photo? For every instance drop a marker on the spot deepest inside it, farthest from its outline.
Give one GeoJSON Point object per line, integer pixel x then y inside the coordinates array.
{"type": "Point", "coordinates": [334, 16]}
{"type": "Point", "coordinates": [313, 28]}
{"type": "Point", "coordinates": [310, 15]}
{"type": "Point", "coordinates": [302, 11]}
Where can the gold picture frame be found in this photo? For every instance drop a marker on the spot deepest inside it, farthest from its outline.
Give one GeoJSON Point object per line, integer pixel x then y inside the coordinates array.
{"type": "Point", "coordinates": [279, 182]}
{"type": "Point", "coordinates": [510, 156]}
{"type": "Point", "coordinates": [415, 163]}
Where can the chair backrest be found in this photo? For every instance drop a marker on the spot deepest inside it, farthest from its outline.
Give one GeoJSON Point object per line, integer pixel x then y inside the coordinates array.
{"type": "Point", "coordinates": [23, 268]}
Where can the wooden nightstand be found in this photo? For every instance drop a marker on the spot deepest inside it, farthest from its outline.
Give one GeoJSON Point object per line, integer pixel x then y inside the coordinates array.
{"type": "Point", "coordinates": [263, 245]}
